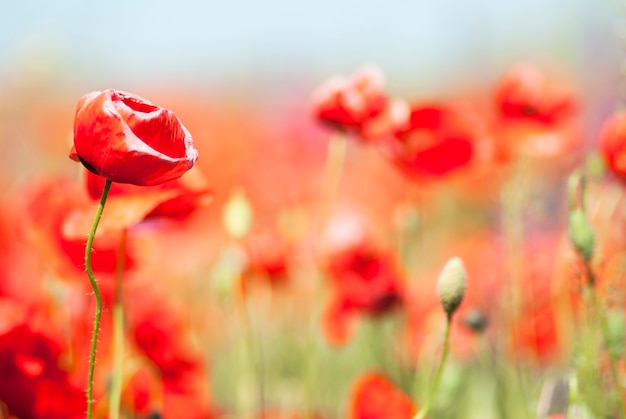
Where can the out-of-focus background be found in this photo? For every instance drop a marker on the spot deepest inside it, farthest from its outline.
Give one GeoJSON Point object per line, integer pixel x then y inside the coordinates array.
{"type": "Point", "coordinates": [261, 52]}
{"type": "Point", "coordinates": [240, 75]}
{"type": "Point", "coordinates": [264, 50]}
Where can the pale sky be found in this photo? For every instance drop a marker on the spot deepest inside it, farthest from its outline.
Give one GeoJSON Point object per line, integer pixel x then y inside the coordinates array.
{"type": "Point", "coordinates": [243, 40]}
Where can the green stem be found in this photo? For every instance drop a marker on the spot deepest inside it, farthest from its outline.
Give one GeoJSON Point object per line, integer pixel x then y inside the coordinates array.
{"type": "Point", "coordinates": [115, 396]}
{"type": "Point", "coordinates": [606, 338]}
{"type": "Point", "coordinates": [444, 356]}
{"type": "Point", "coordinates": [96, 291]}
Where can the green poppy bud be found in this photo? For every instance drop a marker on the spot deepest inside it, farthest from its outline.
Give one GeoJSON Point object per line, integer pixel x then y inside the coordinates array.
{"type": "Point", "coordinates": [451, 285]}
{"type": "Point", "coordinates": [581, 235]}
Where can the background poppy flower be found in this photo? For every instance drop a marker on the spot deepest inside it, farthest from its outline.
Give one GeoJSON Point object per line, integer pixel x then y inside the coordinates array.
{"type": "Point", "coordinates": [48, 208]}
{"type": "Point", "coordinates": [350, 103]}
{"type": "Point", "coordinates": [434, 140]}
{"type": "Point", "coordinates": [612, 144]}
{"type": "Point", "coordinates": [525, 93]}
{"type": "Point", "coordinates": [364, 281]}
{"type": "Point", "coordinates": [375, 397]}
{"type": "Point", "coordinates": [127, 139]}
{"type": "Point", "coordinates": [33, 381]}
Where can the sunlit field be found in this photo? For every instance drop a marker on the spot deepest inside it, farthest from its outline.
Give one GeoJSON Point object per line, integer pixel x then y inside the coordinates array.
{"type": "Point", "coordinates": [336, 228]}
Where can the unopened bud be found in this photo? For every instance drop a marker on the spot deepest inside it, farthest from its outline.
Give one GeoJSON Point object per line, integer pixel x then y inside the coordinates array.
{"type": "Point", "coordinates": [451, 285]}
{"type": "Point", "coordinates": [237, 215]}
{"type": "Point", "coordinates": [476, 320]}
{"type": "Point", "coordinates": [581, 235]}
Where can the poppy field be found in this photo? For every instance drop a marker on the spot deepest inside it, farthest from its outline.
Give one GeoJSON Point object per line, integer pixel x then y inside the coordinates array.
{"type": "Point", "coordinates": [343, 250]}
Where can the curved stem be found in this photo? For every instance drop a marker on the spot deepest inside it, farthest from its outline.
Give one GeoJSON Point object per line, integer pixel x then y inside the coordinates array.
{"type": "Point", "coordinates": [96, 291]}
{"type": "Point", "coordinates": [444, 356]}
{"type": "Point", "coordinates": [115, 395]}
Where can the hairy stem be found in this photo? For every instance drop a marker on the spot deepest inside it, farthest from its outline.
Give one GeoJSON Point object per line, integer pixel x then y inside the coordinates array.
{"type": "Point", "coordinates": [96, 291]}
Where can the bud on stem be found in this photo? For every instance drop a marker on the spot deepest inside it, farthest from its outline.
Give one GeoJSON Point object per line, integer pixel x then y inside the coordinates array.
{"type": "Point", "coordinates": [451, 285]}
{"type": "Point", "coordinates": [581, 235]}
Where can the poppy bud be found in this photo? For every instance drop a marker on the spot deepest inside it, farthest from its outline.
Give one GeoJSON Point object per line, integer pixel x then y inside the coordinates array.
{"type": "Point", "coordinates": [476, 320]}
{"type": "Point", "coordinates": [581, 235]}
{"type": "Point", "coordinates": [451, 285]}
{"type": "Point", "coordinates": [237, 215]}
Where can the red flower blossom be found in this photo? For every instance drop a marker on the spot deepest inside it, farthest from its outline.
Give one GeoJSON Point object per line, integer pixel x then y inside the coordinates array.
{"type": "Point", "coordinates": [434, 140]}
{"type": "Point", "coordinates": [364, 281]}
{"type": "Point", "coordinates": [612, 144]}
{"type": "Point", "coordinates": [536, 335]}
{"type": "Point", "coordinates": [534, 115]}
{"type": "Point", "coordinates": [127, 139]}
{"type": "Point", "coordinates": [33, 384]}
{"type": "Point", "coordinates": [524, 93]}
{"type": "Point", "coordinates": [47, 223]}
{"type": "Point", "coordinates": [267, 259]}
{"type": "Point", "coordinates": [375, 397]}
{"type": "Point", "coordinates": [175, 384]}
{"type": "Point", "coordinates": [349, 103]}
{"type": "Point", "coordinates": [129, 205]}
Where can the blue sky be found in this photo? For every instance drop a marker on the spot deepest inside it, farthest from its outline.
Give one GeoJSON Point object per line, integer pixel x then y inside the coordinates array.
{"type": "Point", "coordinates": [241, 41]}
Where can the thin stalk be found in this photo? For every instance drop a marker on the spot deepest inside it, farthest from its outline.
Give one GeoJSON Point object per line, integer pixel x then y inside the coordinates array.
{"type": "Point", "coordinates": [115, 396]}
{"type": "Point", "coordinates": [444, 356]}
{"type": "Point", "coordinates": [96, 291]}
{"type": "Point", "coordinates": [605, 331]}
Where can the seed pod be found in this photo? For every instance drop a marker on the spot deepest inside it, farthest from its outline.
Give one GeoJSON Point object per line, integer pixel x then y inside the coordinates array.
{"type": "Point", "coordinates": [581, 235]}
{"type": "Point", "coordinates": [451, 285]}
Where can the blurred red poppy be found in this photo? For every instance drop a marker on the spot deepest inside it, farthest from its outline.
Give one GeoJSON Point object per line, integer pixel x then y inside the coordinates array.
{"type": "Point", "coordinates": [175, 384]}
{"type": "Point", "coordinates": [363, 281]}
{"type": "Point", "coordinates": [525, 93]}
{"type": "Point", "coordinates": [375, 397]}
{"type": "Point", "coordinates": [535, 334]}
{"type": "Point", "coordinates": [349, 103]}
{"type": "Point", "coordinates": [33, 383]}
{"type": "Point", "coordinates": [268, 255]}
{"type": "Point", "coordinates": [535, 116]}
{"type": "Point", "coordinates": [129, 205]}
{"type": "Point", "coordinates": [127, 139]}
{"type": "Point", "coordinates": [612, 144]}
{"type": "Point", "coordinates": [435, 140]}
{"type": "Point", "coordinates": [48, 207]}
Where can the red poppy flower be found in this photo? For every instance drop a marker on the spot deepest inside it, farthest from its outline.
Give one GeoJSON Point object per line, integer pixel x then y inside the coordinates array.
{"type": "Point", "coordinates": [267, 259]}
{"type": "Point", "coordinates": [47, 210]}
{"type": "Point", "coordinates": [127, 139]}
{"type": "Point", "coordinates": [348, 103]}
{"type": "Point", "coordinates": [130, 205]}
{"type": "Point", "coordinates": [534, 116]}
{"type": "Point", "coordinates": [612, 144]}
{"type": "Point", "coordinates": [33, 383]}
{"type": "Point", "coordinates": [159, 333]}
{"type": "Point", "coordinates": [524, 93]}
{"type": "Point", "coordinates": [536, 335]}
{"type": "Point", "coordinates": [175, 382]}
{"type": "Point", "coordinates": [434, 140]}
{"type": "Point", "coordinates": [375, 397]}
{"type": "Point", "coordinates": [364, 281]}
